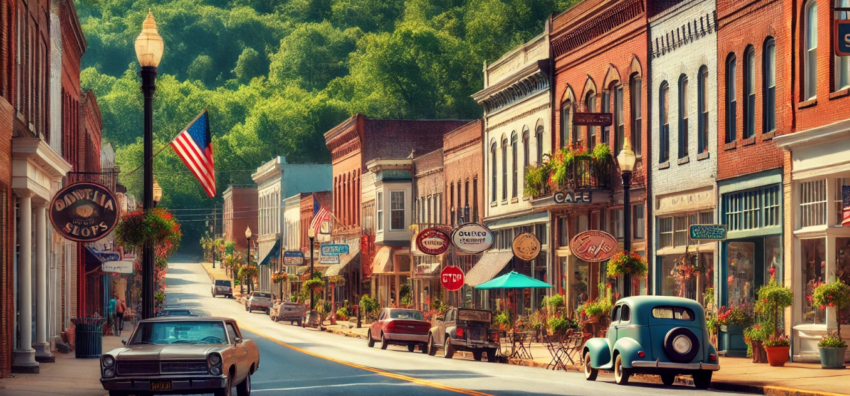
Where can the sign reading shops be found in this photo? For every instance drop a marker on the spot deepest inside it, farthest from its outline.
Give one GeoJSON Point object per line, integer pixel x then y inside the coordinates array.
{"type": "Point", "coordinates": [472, 238]}
{"type": "Point", "coordinates": [433, 241]}
{"type": "Point", "coordinates": [842, 39]}
{"type": "Point", "coordinates": [708, 232]}
{"type": "Point", "coordinates": [84, 212]}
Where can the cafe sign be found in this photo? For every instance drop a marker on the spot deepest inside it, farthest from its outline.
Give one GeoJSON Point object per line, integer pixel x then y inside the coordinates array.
{"type": "Point", "coordinates": [472, 238]}
{"type": "Point", "coordinates": [593, 246]}
{"type": "Point", "coordinates": [84, 212]}
{"type": "Point", "coordinates": [526, 246]}
{"type": "Point", "coordinates": [708, 232]}
{"type": "Point", "coordinates": [572, 197]}
{"type": "Point", "coordinates": [433, 241]}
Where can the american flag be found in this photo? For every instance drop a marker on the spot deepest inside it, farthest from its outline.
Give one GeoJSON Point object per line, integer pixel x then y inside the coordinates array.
{"type": "Point", "coordinates": [845, 194]}
{"type": "Point", "coordinates": [194, 146]}
{"type": "Point", "coordinates": [320, 215]}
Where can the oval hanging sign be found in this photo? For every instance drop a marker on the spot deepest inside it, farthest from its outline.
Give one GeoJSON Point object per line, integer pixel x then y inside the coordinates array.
{"type": "Point", "coordinates": [451, 278]}
{"type": "Point", "coordinates": [472, 238]}
{"type": "Point", "coordinates": [593, 246]}
{"type": "Point", "coordinates": [526, 246]}
{"type": "Point", "coordinates": [84, 212]}
{"type": "Point", "coordinates": [433, 241]}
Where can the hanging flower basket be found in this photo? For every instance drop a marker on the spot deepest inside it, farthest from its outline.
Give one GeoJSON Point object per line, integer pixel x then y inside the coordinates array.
{"type": "Point", "coordinates": [624, 263]}
{"type": "Point", "coordinates": [279, 277]}
{"type": "Point", "coordinates": [156, 225]}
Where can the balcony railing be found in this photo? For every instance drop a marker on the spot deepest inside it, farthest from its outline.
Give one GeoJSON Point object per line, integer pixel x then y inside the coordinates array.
{"type": "Point", "coordinates": [580, 174]}
{"type": "Point", "coordinates": [107, 179]}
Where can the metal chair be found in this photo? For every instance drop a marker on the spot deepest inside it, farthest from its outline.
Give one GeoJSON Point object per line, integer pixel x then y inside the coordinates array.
{"type": "Point", "coordinates": [556, 350]}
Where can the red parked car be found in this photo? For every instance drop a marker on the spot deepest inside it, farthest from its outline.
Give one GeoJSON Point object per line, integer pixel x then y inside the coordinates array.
{"type": "Point", "coordinates": [399, 326]}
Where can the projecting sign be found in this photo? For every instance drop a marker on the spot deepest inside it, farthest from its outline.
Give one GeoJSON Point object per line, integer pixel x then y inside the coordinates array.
{"type": "Point", "coordinates": [119, 267]}
{"type": "Point", "coordinates": [842, 39]}
{"type": "Point", "coordinates": [593, 246]}
{"type": "Point", "coordinates": [472, 238]}
{"type": "Point", "coordinates": [109, 256]}
{"type": "Point", "coordinates": [451, 278]}
{"type": "Point", "coordinates": [328, 259]}
{"type": "Point", "coordinates": [433, 241]}
{"type": "Point", "coordinates": [598, 119]}
{"type": "Point", "coordinates": [84, 212]}
{"type": "Point", "coordinates": [293, 257]}
{"type": "Point", "coordinates": [708, 232]}
{"type": "Point", "coordinates": [526, 246]}
{"type": "Point", "coordinates": [334, 250]}
{"type": "Point", "coordinates": [572, 197]}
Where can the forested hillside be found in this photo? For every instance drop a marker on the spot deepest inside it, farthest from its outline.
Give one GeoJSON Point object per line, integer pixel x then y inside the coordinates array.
{"type": "Point", "coordinates": [277, 74]}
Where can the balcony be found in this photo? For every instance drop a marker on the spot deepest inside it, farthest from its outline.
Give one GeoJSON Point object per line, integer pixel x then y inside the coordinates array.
{"type": "Point", "coordinates": [578, 174]}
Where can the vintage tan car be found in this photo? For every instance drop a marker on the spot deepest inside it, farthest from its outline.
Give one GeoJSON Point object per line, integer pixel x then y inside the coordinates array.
{"type": "Point", "coordinates": [180, 355]}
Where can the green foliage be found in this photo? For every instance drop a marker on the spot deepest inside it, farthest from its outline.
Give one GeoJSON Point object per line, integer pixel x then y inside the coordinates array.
{"type": "Point", "coordinates": [293, 298]}
{"type": "Point", "coordinates": [757, 333]}
{"type": "Point", "coordinates": [503, 319]}
{"type": "Point", "coordinates": [202, 69]}
{"type": "Point", "coordinates": [249, 65]}
{"type": "Point", "coordinates": [733, 317]}
{"type": "Point", "coordinates": [556, 301]}
{"type": "Point", "coordinates": [835, 294]}
{"type": "Point", "coordinates": [558, 325]}
{"type": "Point", "coordinates": [369, 305]}
{"type": "Point", "coordinates": [774, 341]}
{"type": "Point", "coordinates": [832, 341]}
{"type": "Point", "coordinates": [772, 299]}
{"type": "Point", "coordinates": [624, 263]}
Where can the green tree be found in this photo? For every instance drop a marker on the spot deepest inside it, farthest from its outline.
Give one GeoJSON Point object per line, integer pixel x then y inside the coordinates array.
{"type": "Point", "coordinates": [249, 65]}
{"type": "Point", "coordinates": [314, 54]}
{"type": "Point", "coordinates": [202, 69]}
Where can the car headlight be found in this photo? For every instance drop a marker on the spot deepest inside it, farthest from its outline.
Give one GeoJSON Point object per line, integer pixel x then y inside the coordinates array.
{"type": "Point", "coordinates": [214, 359]}
{"type": "Point", "coordinates": [108, 373]}
{"type": "Point", "coordinates": [108, 361]}
{"type": "Point", "coordinates": [215, 370]}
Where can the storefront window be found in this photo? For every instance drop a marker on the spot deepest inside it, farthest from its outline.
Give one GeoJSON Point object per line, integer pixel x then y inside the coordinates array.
{"type": "Point", "coordinates": [579, 291]}
{"type": "Point", "coordinates": [839, 198]}
{"type": "Point", "coordinates": [741, 275]}
{"type": "Point", "coordinates": [773, 259]}
{"type": "Point", "coordinates": [689, 279]}
{"type": "Point", "coordinates": [642, 283]}
{"type": "Point", "coordinates": [637, 214]}
{"type": "Point", "coordinates": [563, 231]}
{"type": "Point", "coordinates": [813, 203]}
{"type": "Point", "coordinates": [842, 269]}
{"type": "Point", "coordinates": [670, 283]}
{"type": "Point", "coordinates": [814, 271]}
{"type": "Point", "coordinates": [665, 231]}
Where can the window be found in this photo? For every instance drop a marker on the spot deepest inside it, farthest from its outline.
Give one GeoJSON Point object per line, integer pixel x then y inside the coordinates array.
{"type": "Point", "coordinates": [452, 207]}
{"type": "Point", "coordinates": [842, 63]}
{"type": "Point", "coordinates": [493, 172]}
{"type": "Point", "coordinates": [702, 109]}
{"type": "Point", "coordinates": [563, 231]}
{"type": "Point", "coordinates": [606, 108]}
{"type": "Point", "coordinates": [665, 232]}
{"type": "Point", "coordinates": [638, 226]}
{"type": "Point", "coordinates": [625, 314]}
{"type": "Point", "coordinates": [616, 226]}
{"type": "Point", "coordinates": [380, 209]}
{"type": "Point", "coordinates": [750, 209]}
{"type": "Point", "coordinates": [813, 203]}
{"type": "Point", "coordinates": [683, 116]}
{"type": "Point", "coordinates": [680, 230]}
{"type": "Point", "coordinates": [731, 103]}
{"type": "Point", "coordinates": [566, 122]}
{"type": "Point", "coordinates": [664, 154]}
{"type": "Point", "coordinates": [514, 165]}
{"type": "Point", "coordinates": [397, 208]}
{"type": "Point", "coordinates": [590, 104]}
{"type": "Point", "coordinates": [769, 101]}
{"type": "Point", "coordinates": [677, 313]}
{"type": "Point", "coordinates": [504, 169]}
{"type": "Point", "coordinates": [813, 254]}
{"type": "Point", "coordinates": [474, 213]}
{"type": "Point", "coordinates": [618, 118]}
{"type": "Point", "coordinates": [539, 136]}
{"type": "Point", "coordinates": [749, 93]}
{"type": "Point", "coordinates": [839, 201]}
{"type": "Point", "coordinates": [634, 97]}
{"type": "Point", "coordinates": [810, 63]}
{"type": "Point", "coordinates": [525, 150]}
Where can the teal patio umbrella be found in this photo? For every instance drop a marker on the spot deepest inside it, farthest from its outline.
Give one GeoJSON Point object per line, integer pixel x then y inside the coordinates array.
{"type": "Point", "coordinates": [514, 280]}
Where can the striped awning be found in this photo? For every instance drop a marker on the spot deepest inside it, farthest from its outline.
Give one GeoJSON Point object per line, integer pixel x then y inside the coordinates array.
{"type": "Point", "coordinates": [383, 263]}
{"type": "Point", "coordinates": [488, 267]}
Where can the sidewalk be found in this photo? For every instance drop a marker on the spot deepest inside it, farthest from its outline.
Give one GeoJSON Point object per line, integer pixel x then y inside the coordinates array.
{"type": "Point", "coordinates": [68, 376]}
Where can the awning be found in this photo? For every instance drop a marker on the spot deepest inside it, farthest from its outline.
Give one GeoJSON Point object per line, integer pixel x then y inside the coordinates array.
{"type": "Point", "coordinates": [316, 268]}
{"type": "Point", "coordinates": [337, 269]}
{"type": "Point", "coordinates": [383, 264]}
{"type": "Point", "coordinates": [93, 260]}
{"type": "Point", "coordinates": [488, 267]}
{"type": "Point", "coordinates": [427, 270]}
{"type": "Point", "coordinates": [274, 252]}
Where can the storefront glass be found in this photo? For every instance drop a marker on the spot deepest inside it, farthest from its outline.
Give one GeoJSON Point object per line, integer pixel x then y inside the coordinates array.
{"type": "Point", "coordinates": [773, 259]}
{"type": "Point", "coordinates": [814, 269]}
{"type": "Point", "coordinates": [842, 269]}
{"type": "Point", "coordinates": [690, 279]}
{"type": "Point", "coordinates": [579, 290]}
{"type": "Point", "coordinates": [740, 275]}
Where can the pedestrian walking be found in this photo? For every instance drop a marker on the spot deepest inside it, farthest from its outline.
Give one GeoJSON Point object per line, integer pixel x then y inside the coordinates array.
{"type": "Point", "coordinates": [120, 307]}
{"type": "Point", "coordinates": [110, 313]}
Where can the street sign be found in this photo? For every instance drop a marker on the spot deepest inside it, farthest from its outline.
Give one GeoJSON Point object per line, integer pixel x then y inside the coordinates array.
{"type": "Point", "coordinates": [708, 232]}
{"type": "Point", "coordinates": [334, 250]}
{"type": "Point", "coordinates": [593, 246]}
{"type": "Point", "coordinates": [472, 238]}
{"type": "Point", "coordinates": [119, 267]}
{"type": "Point", "coordinates": [328, 259]}
{"type": "Point", "coordinates": [293, 257]}
{"type": "Point", "coordinates": [572, 197]}
{"type": "Point", "coordinates": [597, 119]}
{"type": "Point", "coordinates": [842, 37]}
{"type": "Point", "coordinates": [451, 278]}
{"type": "Point", "coordinates": [433, 241]}
{"type": "Point", "coordinates": [84, 212]}
{"type": "Point", "coordinates": [526, 246]}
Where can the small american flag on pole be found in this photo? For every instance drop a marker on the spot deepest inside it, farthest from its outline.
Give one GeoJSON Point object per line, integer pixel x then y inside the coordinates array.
{"type": "Point", "coordinates": [320, 215]}
{"type": "Point", "coordinates": [845, 195]}
{"type": "Point", "coordinates": [194, 146]}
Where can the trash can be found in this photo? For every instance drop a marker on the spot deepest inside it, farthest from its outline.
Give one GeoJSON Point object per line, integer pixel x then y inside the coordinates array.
{"type": "Point", "coordinates": [88, 337]}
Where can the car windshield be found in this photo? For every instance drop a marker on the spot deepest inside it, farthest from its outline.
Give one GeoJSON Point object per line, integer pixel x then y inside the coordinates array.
{"type": "Point", "coordinates": [222, 283]}
{"type": "Point", "coordinates": [405, 314]}
{"type": "Point", "coordinates": [677, 313]}
{"type": "Point", "coordinates": [188, 332]}
{"type": "Point", "coordinates": [262, 295]}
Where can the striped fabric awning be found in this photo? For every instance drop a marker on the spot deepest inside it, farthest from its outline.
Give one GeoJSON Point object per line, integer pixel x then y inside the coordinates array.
{"type": "Point", "coordinates": [488, 267]}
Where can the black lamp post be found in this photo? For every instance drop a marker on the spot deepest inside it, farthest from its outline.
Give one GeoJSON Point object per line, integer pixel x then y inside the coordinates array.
{"type": "Point", "coordinates": [311, 233]}
{"type": "Point", "coordinates": [627, 159]}
{"type": "Point", "coordinates": [149, 49]}
{"type": "Point", "coordinates": [248, 256]}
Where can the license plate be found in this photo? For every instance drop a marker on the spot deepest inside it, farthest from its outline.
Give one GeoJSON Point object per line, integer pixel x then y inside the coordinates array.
{"type": "Point", "coordinates": [160, 385]}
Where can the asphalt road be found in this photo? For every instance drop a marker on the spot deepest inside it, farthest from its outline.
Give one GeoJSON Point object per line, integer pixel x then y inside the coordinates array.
{"type": "Point", "coordinates": [297, 361]}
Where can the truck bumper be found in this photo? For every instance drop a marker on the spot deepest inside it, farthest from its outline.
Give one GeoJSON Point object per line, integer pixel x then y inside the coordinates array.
{"type": "Point", "coordinates": [467, 345]}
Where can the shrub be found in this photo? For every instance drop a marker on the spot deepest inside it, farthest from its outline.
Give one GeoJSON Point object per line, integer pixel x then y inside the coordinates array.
{"type": "Point", "coordinates": [369, 305]}
{"type": "Point", "coordinates": [772, 299]}
{"type": "Point", "coordinates": [835, 294]}
{"type": "Point", "coordinates": [832, 341]}
{"type": "Point", "coordinates": [733, 317]}
{"type": "Point", "coordinates": [774, 341]}
{"type": "Point", "coordinates": [558, 325]}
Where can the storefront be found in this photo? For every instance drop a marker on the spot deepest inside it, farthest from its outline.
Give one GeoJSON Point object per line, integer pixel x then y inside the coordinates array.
{"type": "Point", "coordinates": [390, 273]}
{"type": "Point", "coordinates": [819, 250]}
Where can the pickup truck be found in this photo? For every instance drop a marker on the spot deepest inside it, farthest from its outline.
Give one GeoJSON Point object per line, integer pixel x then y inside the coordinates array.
{"type": "Point", "coordinates": [222, 287]}
{"type": "Point", "coordinates": [259, 300]}
{"type": "Point", "coordinates": [464, 330]}
{"type": "Point", "coordinates": [288, 311]}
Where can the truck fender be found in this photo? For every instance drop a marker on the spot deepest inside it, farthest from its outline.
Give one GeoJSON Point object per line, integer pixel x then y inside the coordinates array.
{"type": "Point", "coordinates": [628, 348]}
{"type": "Point", "coordinates": [600, 352]}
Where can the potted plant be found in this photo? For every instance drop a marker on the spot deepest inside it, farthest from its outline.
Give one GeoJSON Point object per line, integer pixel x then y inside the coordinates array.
{"type": "Point", "coordinates": [834, 295]}
{"type": "Point", "coordinates": [777, 350]}
{"type": "Point", "coordinates": [772, 299]}
{"type": "Point", "coordinates": [755, 336]}
{"type": "Point", "coordinates": [558, 326]}
{"type": "Point", "coordinates": [625, 263]}
{"type": "Point", "coordinates": [732, 323]}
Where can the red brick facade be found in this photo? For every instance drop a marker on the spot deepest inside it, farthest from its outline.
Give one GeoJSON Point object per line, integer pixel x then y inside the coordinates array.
{"type": "Point", "coordinates": [240, 212]}
{"type": "Point", "coordinates": [7, 116]}
{"type": "Point", "coordinates": [325, 199]}
{"type": "Point", "coordinates": [429, 189]}
{"type": "Point", "coordinates": [462, 166]}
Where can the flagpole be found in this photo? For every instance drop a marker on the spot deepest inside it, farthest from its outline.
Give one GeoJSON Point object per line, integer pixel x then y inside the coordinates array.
{"type": "Point", "coordinates": [169, 143]}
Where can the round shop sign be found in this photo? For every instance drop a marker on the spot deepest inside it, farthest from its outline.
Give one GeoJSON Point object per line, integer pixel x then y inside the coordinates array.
{"type": "Point", "coordinates": [472, 238]}
{"type": "Point", "coordinates": [526, 246]}
{"type": "Point", "coordinates": [84, 212]}
{"type": "Point", "coordinates": [433, 241]}
{"type": "Point", "coordinates": [451, 278]}
{"type": "Point", "coordinates": [593, 246]}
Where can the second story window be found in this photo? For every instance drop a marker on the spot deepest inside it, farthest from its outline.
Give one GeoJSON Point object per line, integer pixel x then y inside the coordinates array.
{"type": "Point", "coordinates": [683, 116]}
{"type": "Point", "coordinates": [664, 127]}
{"type": "Point", "coordinates": [842, 63]}
{"type": "Point", "coordinates": [620, 129]}
{"type": "Point", "coordinates": [590, 104]}
{"type": "Point", "coordinates": [566, 120]}
{"type": "Point", "coordinates": [749, 93]}
{"type": "Point", "coordinates": [379, 203]}
{"type": "Point", "coordinates": [702, 110]}
{"type": "Point", "coordinates": [606, 108]}
{"type": "Point", "coordinates": [810, 63]}
{"type": "Point", "coordinates": [514, 150]}
{"type": "Point", "coordinates": [769, 78]}
{"type": "Point", "coordinates": [731, 103]}
{"type": "Point", "coordinates": [539, 135]}
{"type": "Point", "coordinates": [634, 97]}
{"type": "Point", "coordinates": [397, 210]}
{"type": "Point", "coordinates": [493, 172]}
{"type": "Point", "coordinates": [504, 169]}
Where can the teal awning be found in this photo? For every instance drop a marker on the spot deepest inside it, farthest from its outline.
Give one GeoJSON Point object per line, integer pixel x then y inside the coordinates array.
{"type": "Point", "coordinates": [514, 280]}
{"type": "Point", "coordinates": [273, 253]}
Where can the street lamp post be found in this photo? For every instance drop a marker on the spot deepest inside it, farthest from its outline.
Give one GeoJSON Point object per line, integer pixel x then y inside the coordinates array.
{"type": "Point", "coordinates": [248, 255]}
{"type": "Point", "coordinates": [626, 159]}
{"type": "Point", "coordinates": [311, 233]}
{"type": "Point", "coordinates": [149, 49]}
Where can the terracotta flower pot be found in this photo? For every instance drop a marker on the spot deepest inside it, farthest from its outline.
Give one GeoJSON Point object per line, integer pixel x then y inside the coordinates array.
{"type": "Point", "coordinates": [759, 354]}
{"type": "Point", "coordinates": [777, 356]}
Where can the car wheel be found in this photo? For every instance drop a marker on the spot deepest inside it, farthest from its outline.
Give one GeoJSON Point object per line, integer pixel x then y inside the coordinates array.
{"type": "Point", "coordinates": [228, 386]}
{"type": "Point", "coordinates": [432, 349]}
{"type": "Point", "coordinates": [244, 387]}
{"type": "Point", "coordinates": [476, 355]}
{"type": "Point", "coordinates": [424, 348]}
{"type": "Point", "coordinates": [702, 379]}
{"type": "Point", "coordinates": [668, 379]}
{"type": "Point", "coordinates": [411, 347]}
{"type": "Point", "coordinates": [448, 348]}
{"type": "Point", "coordinates": [590, 373]}
{"type": "Point", "coordinates": [371, 341]}
{"type": "Point", "coordinates": [384, 342]}
{"type": "Point", "coordinates": [491, 355]}
{"type": "Point", "coordinates": [621, 374]}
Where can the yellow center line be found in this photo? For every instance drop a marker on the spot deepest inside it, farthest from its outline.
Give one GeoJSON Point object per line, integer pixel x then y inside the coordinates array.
{"type": "Point", "coordinates": [367, 368]}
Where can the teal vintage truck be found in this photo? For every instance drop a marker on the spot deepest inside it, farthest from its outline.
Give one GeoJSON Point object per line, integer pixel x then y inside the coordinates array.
{"type": "Point", "coordinates": [654, 335]}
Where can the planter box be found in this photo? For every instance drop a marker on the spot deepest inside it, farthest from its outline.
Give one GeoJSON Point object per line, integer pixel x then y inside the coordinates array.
{"type": "Point", "coordinates": [732, 341]}
{"type": "Point", "coordinates": [832, 358]}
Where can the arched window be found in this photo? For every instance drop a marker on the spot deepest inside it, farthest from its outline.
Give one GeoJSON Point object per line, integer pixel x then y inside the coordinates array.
{"type": "Point", "coordinates": [664, 127]}
{"type": "Point", "coordinates": [683, 116]}
{"type": "Point", "coordinates": [539, 137]}
{"type": "Point", "coordinates": [702, 110]}
{"type": "Point", "coordinates": [769, 91]}
{"type": "Point", "coordinates": [514, 164]}
{"type": "Point", "coordinates": [842, 63]}
{"type": "Point", "coordinates": [749, 92]}
{"type": "Point", "coordinates": [606, 108]}
{"type": "Point", "coordinates": [619, 127]}
{"type": "Point", "coordinates": [526, 151]}
{"type": "Point", "coordinates": [566, 122]}
{"type": "Point", "coordinates": [810, 63]}
{"type": "Point", "coordinates": [731, 103]}
{"type": "Point", "coordinates": [493, 169]}
{"type": "Point", "coordinates": [590, 104]}
{"type": "Point", "coordinates": [504, 169]}
{"type": "Point", "coordinates": [635, 106]}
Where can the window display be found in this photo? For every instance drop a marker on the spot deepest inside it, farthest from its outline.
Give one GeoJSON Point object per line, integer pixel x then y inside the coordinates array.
{"type": "Point", "coordinates": [814, 268]}
{"type": "Point", "coordinates": [842, 269]}
{"type": "Point", "coordinates": [579, 284]}
{"type": "Point", "coordinates": [740, 275]}
{"type": "Point", "coordinates": [773, 259]}
{"type": "Point", "coordinates": [689, 277]}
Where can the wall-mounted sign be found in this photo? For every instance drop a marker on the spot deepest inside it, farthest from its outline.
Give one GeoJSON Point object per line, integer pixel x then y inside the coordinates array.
{"type": "Point", "coordinates": [472, 238]}
{"type": "Point", "coordinates": [109, 256]}
{"type": "Point", "coordinates": [708, 232]}
{"type": "Point", "coordinates": [842, 37]}
{"type": "Point", "coordinates": [526, 246]}
{"type": "Point", "coordinates": [334, 250]}
{"type": "Point", "coordinates": [598, 119]}
{"type": "Point", "coordinates": [84, 212]}
{"type": "Point", "coordinates": [293, 257]}
{"type": "Point", "coordinates": [433, 241]}
{"type": "Point", "coordinates": [328, 259]}
{"type": "Point", "coordinates": [593, 246]}
{"type": "Point", "coordinates": [572, 197]}
{"type": "Point", "coordinates": [451, 278]}
{"type": "Point", "coordinates": [118, 267]}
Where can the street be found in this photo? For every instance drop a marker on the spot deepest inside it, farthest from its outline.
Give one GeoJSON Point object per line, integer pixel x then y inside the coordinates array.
{"type": "Point", "coordinates": [307, 361]}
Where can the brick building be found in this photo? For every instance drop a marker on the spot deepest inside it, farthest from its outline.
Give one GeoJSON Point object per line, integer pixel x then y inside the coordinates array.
{"type": "Point", "coordinates": [429, 210]}
{"type": "Point", "coordinates": [8, 105]}
{"type": "Point", "coordinates": [239, 213]}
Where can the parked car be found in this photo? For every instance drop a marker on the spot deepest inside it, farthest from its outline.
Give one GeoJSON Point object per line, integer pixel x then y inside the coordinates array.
{"type": "Point", "coordinates": [259, 300]}
{"type": "Point", "coordinates": [288, 311]}
{"type": "Point", "coordinates": [654, 335]}
{"type": "Point", "coordinates": [464, 330]}
{"type": "Point", "coordinates": [397, 326]}
{"type": "Point", "coordinates": [222, 287]}
{"type": "Point", "coordinates": [179, 355]}
{"type": "Point", "coordinates": [177, 312]}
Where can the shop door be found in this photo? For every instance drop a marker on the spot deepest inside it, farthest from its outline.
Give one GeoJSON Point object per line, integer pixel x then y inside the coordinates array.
{"type": "Point", "coordinates": [743, 272]}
